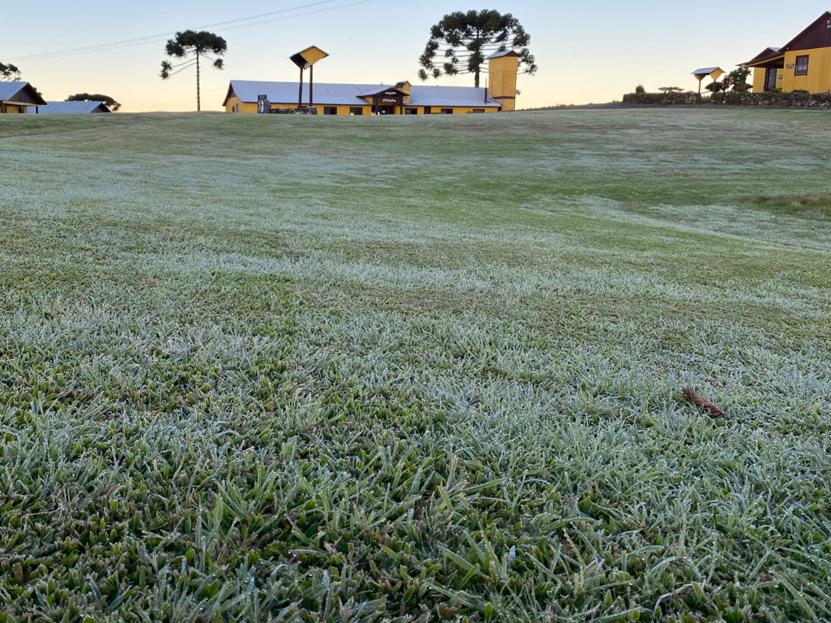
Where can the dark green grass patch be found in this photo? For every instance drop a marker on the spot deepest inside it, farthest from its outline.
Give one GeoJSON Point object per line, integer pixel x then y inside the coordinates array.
{"type": "Point", "coordinates": [815, 205]}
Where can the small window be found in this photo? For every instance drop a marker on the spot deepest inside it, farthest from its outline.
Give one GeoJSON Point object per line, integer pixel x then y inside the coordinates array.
{"type": "Point", "coordinates": [330, 110]}
{"type": "Point", "coordinates": [411, 111]}
{"type": "Point", "coordinates": [428, 110]}
{"type": "Point", "coordinates": [802, 65]}
{"type": "Point", "coordinates": [357, 111]}
{"type": "Point", "coordinates": [478, 110]}
{"type": "Point", "coordinates": [447, 111]}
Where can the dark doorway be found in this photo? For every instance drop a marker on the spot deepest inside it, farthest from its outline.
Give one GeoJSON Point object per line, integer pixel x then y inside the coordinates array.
{"type": "Point", "coordinates": [388, 102]}
{"type": "Point", "coordinates": [770, 79]}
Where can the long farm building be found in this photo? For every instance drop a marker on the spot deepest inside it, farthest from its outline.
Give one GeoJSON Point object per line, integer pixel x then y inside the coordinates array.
{"type": "Point", "coordinates": [245, 96]}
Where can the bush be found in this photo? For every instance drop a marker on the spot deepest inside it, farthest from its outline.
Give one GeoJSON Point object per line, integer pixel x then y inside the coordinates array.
{"type": "Point", "coordinates": [661, 99]}
{"type": "Point", "coordinates": [736, 80]}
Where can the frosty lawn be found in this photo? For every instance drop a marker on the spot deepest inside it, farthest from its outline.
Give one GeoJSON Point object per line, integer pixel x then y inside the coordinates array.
{"type": "Point", "coordinates": [367, 369]}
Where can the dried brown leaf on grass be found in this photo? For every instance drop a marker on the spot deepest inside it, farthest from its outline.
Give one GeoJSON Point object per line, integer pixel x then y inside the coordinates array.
{"type": "Point", "coordinates": [699, 401]}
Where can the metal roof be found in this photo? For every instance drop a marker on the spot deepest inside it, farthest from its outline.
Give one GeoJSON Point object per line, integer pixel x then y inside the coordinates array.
{"type": "Point", "coordinates": [814, 36]}
{"type": "Point", "coordinates": [816, 24]}
{"type": "Point", "coordinates": [764, 56]}
{"type": "Point", "coordinates": [9, 89]}
{"type": "Point", "coordinates": [70, 108]}
{"type": "Point", "coordinates": [350, 94]}
{"type": "Point", "coordinates": [503, 54]}
{"type": "Point", "coordinates": [452, 96]}
{"type": "Point", "coordinates": [706, 71]}
{"type": "Point", "coordinates": [379, 89]}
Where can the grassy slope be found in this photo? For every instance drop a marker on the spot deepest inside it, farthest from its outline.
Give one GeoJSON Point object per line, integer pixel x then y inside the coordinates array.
{"type": "Point", "coordinates": [345, 369]}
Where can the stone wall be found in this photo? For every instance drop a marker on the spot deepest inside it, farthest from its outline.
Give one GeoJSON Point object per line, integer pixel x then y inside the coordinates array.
{"type": "Point", "coordinates": [773, 99]}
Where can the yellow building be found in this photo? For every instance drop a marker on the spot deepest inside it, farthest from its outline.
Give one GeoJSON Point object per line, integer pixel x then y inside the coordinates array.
{"type": "Point", "coordinates": [17, 97]}
{"type": "Point", "coordinates": [804, 64]}
{"type": "Point", "coordinates": [245, 96]}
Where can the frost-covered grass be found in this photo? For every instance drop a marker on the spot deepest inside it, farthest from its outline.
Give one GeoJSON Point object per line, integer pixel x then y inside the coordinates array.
{"type": "Point", "coordinates": [415, 369]}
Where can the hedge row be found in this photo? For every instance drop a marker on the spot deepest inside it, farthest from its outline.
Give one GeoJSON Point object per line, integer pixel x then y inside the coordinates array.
{"type": "Point", "coordinates": [771, 98]}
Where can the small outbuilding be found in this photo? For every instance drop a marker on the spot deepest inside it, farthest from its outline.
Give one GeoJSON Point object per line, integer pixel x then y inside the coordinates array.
{"type": "Point", "coordinates": [17, 97]}
{"type": "Point", "coordinates": [70, 108]}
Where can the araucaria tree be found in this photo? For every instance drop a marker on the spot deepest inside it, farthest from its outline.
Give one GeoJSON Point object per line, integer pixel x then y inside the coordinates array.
{"type": "Point", "coordinates": [461, 42]}
{"type": "Point", "coordinates": [193, 47]}
{"type": "Point", "coordinates": [9, 72]}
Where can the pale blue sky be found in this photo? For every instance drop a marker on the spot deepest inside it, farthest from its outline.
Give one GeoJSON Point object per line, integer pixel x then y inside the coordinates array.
{"type": "Point", "coordinates": [588, 51]}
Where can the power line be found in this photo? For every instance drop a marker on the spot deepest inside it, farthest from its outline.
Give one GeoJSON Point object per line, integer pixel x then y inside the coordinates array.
{"type": "Point", "coordinates": [233, 24]}
{"type": "Point", "coordinates": [279, 19]}
{"type": "Point", "coordinates": [163, 35]}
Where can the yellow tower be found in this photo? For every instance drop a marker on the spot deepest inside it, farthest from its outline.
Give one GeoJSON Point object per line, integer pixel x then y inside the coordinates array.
{"type": "Point", "coordinates": [503, 69]}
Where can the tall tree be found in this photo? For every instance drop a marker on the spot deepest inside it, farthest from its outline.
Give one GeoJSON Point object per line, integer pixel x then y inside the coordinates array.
{"type": "Point", "coordinates": [9, 72]}
{"type": "Point", "coordinates": [193, 47]}
{"type": "Point", "coordinates": [465, 40]}
{"type": "Point", "coordinates": [111, 103]}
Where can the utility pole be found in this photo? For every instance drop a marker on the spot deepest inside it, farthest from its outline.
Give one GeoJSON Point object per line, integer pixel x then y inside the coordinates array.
{"type": "Point", "coordinates": [198, 86]}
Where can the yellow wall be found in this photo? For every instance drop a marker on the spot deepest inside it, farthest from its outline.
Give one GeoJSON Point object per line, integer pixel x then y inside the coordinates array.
{"type": "Point", "coordinates": [13, 107]}
{"type": "Point", "coordinates": [818, 79]}
{"type": "Point", "coordinates": [313, 55]}
{"type": "Point", "coordinates": [759, 79]}
{"type": "Point", "coordinates": [502, 76]}
{"type": "Point", "coordinates": [759, 76]}
{"type": "Point", "coordinates": [235, 105]}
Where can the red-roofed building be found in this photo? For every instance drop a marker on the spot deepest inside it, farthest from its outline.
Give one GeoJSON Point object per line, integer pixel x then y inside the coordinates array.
{"type": "Point", "coordinates": [804, 64]}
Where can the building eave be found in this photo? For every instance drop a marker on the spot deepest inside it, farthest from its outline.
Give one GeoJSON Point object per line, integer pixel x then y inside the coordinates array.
{"type": "Point", "coordinates": [789, 47]}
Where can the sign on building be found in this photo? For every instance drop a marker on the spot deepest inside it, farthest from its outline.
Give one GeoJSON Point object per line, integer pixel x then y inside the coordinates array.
{"type": "Point", "coordinates": [263, 105]}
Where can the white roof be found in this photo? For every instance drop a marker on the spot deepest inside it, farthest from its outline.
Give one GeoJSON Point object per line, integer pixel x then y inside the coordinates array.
{"type": "Point", "coordinates": [706, 71]}
{"type": "Point", "coordinates": [350, 94]}
{"type": "Point", "coordinates": [70, 108]}
{"type": "Point", "coordinates": [9, 89]}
